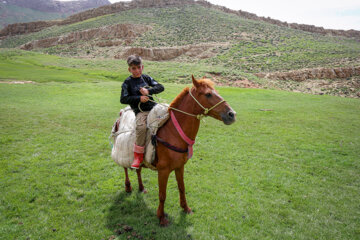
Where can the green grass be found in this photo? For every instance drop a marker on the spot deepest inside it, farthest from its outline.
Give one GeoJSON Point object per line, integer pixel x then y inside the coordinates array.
{"type": "Point", "coordinates": [289, 173]}
{"type": "Point", "coordinates": [24, 65]}
{"type": "Point", "coordinates": [17, 64]}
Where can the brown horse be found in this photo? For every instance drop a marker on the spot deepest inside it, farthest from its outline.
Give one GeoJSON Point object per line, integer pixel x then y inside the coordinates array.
{"type": "Point", "coordinates": [172, 150]}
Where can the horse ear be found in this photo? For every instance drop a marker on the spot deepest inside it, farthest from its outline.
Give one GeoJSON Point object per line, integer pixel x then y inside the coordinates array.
{"type": "Point", "coordinates": [195, 82]}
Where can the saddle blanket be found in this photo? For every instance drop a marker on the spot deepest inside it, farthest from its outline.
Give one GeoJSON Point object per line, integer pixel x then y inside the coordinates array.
{"type": "Point", "coordinates": [123, 135]}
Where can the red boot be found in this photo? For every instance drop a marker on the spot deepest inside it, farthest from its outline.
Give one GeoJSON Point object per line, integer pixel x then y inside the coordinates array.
{"type": "Point", "coordinates": [138, 156]}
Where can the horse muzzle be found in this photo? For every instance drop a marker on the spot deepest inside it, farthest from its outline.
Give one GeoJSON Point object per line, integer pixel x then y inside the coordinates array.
{"type": "Point", "coordinates": [228, 117]}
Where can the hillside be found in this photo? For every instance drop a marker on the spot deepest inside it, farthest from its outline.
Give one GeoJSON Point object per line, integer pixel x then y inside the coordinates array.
{"type": "Point", "coordinates": [134, 4]}
{"type": "Point", "coordinates": [16, 11]}
{"type": "Point", "coordinates": [246, 50]}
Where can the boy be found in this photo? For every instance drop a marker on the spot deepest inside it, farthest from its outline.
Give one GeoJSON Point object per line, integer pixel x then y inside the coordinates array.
{"type": "Point", "coordinates": [136, 91]}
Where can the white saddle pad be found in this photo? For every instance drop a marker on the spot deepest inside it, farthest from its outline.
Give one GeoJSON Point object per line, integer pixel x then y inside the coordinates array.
{"type": "Point", "coordinates": [124, 138]}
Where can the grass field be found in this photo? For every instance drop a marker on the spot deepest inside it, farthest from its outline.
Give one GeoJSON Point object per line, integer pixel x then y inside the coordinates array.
{"type": "Point", "coordinates": [31, 66]}
{"type": "Point", "coordinates": [288, 173]}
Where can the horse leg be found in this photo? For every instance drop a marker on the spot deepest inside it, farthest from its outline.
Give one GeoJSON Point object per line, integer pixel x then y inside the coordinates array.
{"type": "Point", "coordinates": [180, 181]}
{"type": "Point", "coordinates": [128, 188]}
{"type": "Point", "coordinates": [163, 176]}
{"type": "Point", "coordinates": [141, 186]}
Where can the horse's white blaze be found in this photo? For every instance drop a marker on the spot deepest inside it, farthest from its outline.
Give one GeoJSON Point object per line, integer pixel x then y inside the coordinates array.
{"type": "Point", "coordinates": [214, 92]}
{"type": "Point", "coordinates": [222, 99]}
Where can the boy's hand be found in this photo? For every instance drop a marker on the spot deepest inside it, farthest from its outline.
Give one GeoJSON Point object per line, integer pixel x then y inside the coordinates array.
{"type": "Point", "coordinates": [144, 91]}
{"type": "Point", "coordinates": [144, 99]}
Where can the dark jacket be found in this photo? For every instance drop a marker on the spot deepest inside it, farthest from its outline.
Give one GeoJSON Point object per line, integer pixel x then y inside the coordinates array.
{"type": "Point", "coordinates": [130, 92]}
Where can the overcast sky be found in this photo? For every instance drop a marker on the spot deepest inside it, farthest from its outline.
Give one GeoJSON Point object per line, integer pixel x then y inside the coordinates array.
{"type": "Point", "coordinates": [334, 14]}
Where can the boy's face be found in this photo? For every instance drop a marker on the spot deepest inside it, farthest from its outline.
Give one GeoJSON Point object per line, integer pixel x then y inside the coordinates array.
{"type": "Point", "coordinates": [136, 70]}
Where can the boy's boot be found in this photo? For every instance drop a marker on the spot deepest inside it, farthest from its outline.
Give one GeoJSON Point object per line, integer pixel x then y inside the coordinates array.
{"type": "Point", "coordinates": [138, 156]}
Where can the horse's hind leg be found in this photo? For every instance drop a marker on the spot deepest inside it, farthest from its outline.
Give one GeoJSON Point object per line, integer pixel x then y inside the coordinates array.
{"type": "Point", "coordinates": [128, 188]}
{"type": "Point", "coordinates": [141, 186]}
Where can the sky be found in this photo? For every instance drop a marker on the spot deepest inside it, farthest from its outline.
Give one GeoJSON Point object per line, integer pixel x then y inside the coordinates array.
{"type": "Point", "coordinates": [333, 14]}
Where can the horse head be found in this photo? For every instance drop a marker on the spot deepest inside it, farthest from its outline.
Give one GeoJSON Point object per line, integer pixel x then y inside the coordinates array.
{"type": "Point", "coordinates": [209, 102]}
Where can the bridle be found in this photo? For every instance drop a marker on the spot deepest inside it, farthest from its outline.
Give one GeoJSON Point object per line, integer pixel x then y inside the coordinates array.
{"type": "Point", "coordinates": [198, 116]}
{"type": "Point", "coordinates": [182, 134]}
{"type": "Point", "coordinates": [201, 115]}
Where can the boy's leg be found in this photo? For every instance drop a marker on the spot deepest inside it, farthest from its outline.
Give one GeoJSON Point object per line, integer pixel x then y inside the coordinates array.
{"type": "Point", "coordinates": [141, 118]}
{"type": "Point", "coordinates": [140, 139]}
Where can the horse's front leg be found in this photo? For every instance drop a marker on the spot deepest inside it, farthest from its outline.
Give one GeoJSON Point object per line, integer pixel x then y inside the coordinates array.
{"type": "Point", "coordinates": [141, 186]}
{"type": "Point", "coordinates": [180, 181]}
{"type": "Point", "coordinates": [163, 176]}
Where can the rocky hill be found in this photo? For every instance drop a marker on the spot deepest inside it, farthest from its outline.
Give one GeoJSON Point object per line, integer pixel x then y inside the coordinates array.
{"type": "Point", "coordinates": [304, 27]}
{"type": "Point", "coordinates": [123, 6]}
{"type": "Point", "coordinates": [12, 11]}
{"type": "Point", "coordinates": [251, 51]}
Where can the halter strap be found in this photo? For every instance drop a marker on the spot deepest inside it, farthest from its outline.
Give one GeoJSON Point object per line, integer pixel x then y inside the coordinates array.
{"type": "Point", "coordinates": [183, 135]}
{"type": "Point", "coordinates": [206, 110]}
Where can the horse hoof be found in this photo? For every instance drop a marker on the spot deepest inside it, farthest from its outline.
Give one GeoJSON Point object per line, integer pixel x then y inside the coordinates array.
{"type": "Point", "coordinates": [128, 189]}
{"type": "Point", "coordinates": [188, 211]}
{"type": "Point", "coordinates": [143, 191]}
{"type": "Point", "coordinates": [164, 222]}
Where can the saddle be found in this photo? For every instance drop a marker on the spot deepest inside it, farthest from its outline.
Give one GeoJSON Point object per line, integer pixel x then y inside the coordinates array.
{"type": "Point", "coordinates": [123, 135]}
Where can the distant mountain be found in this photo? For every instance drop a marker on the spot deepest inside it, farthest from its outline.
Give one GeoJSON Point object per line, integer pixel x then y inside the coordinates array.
{"type": "Point", "coordinates": [14, 11]}
{"type": "Point", "coordinates": [58, 6]}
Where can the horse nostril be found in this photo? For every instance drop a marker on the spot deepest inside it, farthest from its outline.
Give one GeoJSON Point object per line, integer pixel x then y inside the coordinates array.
{"type": "Point", "coordinates": [231, 114]}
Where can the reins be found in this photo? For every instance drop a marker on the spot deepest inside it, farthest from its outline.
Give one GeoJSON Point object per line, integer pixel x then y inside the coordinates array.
{"type": "Point", "coordinates": [198, 116]}
{"type": "Point", "coordinates": [178, 128]}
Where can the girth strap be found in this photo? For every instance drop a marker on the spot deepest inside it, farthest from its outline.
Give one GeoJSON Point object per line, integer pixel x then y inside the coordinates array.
{"type": "Point", "coordinates": [168, 145]}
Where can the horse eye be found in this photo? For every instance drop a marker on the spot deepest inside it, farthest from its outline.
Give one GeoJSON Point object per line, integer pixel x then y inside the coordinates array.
{"type": "Point", "coordinates": [208, 95]}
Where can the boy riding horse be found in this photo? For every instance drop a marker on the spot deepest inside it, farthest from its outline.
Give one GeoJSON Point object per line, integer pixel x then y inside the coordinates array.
{"type": "Point", "coordinates": [136, 91]}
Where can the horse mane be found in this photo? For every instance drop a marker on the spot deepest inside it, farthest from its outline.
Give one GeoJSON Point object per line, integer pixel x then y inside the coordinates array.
{"type": "Point", "coordinates": [204, 82]}
{"type": "Point", "coordinates": [175, 103]}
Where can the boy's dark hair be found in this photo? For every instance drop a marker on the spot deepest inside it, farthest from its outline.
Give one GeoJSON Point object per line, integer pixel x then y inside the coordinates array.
{"type": "Point", "coordinates": [134, 60]}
